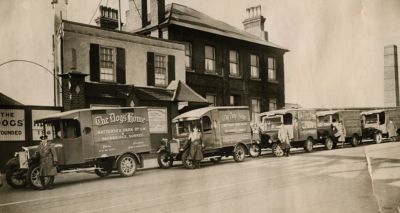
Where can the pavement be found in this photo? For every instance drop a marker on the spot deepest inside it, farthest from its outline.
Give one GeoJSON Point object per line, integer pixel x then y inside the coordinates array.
{"type": "Point", "coordinates": [360, 179]}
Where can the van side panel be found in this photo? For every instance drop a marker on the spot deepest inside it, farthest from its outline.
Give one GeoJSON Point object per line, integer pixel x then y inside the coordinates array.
{"type": "Point", "coordinates": [352, 122]}
{"type": "Point", "coordinates": [87, 137]}
{"type": "Point", "coordinates": [118, 131]}
{"type": "Point", "coordinates": [234, 126]}
{"type": "Point", "coordinates": [306, 125]}
{"type": "Point", "coordinates": [393, 115]}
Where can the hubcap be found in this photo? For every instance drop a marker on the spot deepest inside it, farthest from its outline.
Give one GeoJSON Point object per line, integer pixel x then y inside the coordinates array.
{"type": "Point", "coordinates": [254, 150]}
{"type": "Point", "coordinates": [239, 152]}
{"type": "Point", "coordinates": [17, 179]}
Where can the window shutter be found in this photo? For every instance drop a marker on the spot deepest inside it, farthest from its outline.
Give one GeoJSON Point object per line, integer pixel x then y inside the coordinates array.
{"type": "Point", "coordinates": [94, 62]}
{"type": "Point", "coordinates": [171, 68]}
{"type": "Point", "coordinates": [121, 71]}
{"type": "Point", "coordinates": [150, 69]}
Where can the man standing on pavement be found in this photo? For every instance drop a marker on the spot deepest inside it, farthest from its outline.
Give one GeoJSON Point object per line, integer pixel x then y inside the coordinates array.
{"type": "Point", "coordinates": [340, 134]}
{"type": "Point", "coordinates": [48, 159]}
{"type": "Point", "coordinates": [284, 138]}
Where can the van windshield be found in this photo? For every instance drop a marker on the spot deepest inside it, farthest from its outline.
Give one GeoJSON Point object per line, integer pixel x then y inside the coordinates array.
{"type": "Point", "coordinates": [68, 129]}
{"type": "Point", "coordinates": [324, 121]}
{"type": "Point", "coordinates": [271, 123]}
{"type": "Point", "coordinates": [185, 127]}
{"type": "Point", "coordinates": [371, 119]}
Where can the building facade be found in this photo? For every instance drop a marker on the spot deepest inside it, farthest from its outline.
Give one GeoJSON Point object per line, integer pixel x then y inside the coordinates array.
{"type": "Point", "coordinates": [225, 65]}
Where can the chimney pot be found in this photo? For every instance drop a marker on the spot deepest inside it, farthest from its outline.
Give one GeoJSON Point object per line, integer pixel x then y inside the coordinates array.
{"type": "Point", "coordinates": [254, 24]}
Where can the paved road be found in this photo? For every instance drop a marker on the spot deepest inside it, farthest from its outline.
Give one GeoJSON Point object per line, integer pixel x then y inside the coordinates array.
{"type": "Point", "coordinates": [322, 181]}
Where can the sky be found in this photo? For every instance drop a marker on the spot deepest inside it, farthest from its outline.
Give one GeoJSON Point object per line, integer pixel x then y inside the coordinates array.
{"type": "Point", "coordinates": [336, 46]}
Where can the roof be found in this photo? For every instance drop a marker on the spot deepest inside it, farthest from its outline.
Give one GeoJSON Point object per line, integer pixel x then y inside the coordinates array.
{"type": "Point", "coordinates": [198, 113]}
{"type": "Point", "coordinates": [177, 14]}
{"type": "Point", "coordinates": [329, 112]}
{"type": "Point", "coordinates": [282, 112]}
{"type": "Point", "coordinates": [6, 100]}
{"type": "Point", "coordinates": [154, 94]}
{"type": "Point", "coordinates": [372, 112]}
{"type": "Point", "coordinates": [67, 114]}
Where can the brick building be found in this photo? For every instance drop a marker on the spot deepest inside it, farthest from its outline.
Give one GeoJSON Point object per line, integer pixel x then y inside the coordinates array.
{"type": "Point", "coordinates": [225, 65]}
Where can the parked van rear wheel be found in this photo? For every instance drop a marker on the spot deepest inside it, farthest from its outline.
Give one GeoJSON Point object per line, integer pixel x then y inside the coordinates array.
{"type": "Point", "coordinates": [308, 145]}
{"type": "Point", "coordinates": [378, 137]}
{"type": "Point", "coordinates": [164, 160]}
{"type": "Point", "coordinates": [188, 164]}
{"type": "Point", "coordinates": [355, 141]}
{"type": "Point", "coordinates": [328, 143]}
{"type": "Point", "coordinates": [239, 154]}
{"type": "Point", "coordinates": [127, 165]}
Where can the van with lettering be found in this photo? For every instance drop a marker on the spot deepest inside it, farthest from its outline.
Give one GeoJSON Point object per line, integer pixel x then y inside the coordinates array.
{"type": "Point", "coordinates": [376, 124]}
{"type": "Point", "coordinates": [225, 132]}
{"type": "Point", "coordinates": [100, 140]}
{"type": "Point", "coordinates": [303, 130]}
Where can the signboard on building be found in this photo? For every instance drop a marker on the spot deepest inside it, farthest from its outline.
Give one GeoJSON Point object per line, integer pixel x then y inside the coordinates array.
{"type": "Point", "coordinates": [158, 120]}
{"type": "Point", "coordinates": [38, 128]}
{"type": "Point", "coordinates": [12, 125]}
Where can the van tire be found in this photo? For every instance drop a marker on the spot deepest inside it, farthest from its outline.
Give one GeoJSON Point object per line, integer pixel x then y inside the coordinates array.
{"type": "Point", "coordinates": [277, 150]}
{"type": "Point", "coordinates": [328, 143]}
{"type": "Point", "coordinates": [127, 165]}
{"type": "Point", "coordinates": [354, 140]}
{"type": "Point", "coordinates": [188, 164]}
{"type": "Point", "coordinates": [254, 150]}
{"type": "Point", "coordinates": [378, 138]}
{"type": "Point", "coordinates": [15, 176]}
{"type": "Point", "coordinates": [164, 160]}
{"type": "Point", "coordinates": [308, 145]}
{"type": "Point", "coordinates": [239, 153]}
{"type": "Point", "coordinates": [33, 176]}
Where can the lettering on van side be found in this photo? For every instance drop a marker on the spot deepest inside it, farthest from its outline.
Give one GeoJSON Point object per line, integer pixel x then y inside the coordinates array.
{"type": "Point", "coordinates": [113, 118]}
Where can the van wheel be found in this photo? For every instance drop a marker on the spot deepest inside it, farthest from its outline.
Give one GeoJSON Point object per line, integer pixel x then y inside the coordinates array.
{"type": "Point", "coordinates": [164, 160]}
{"type": "Point", "coordinates": [277, 150]}
{"type": "Point", "coordinates": [308, 145]}
{"type": "Point", "coordinates": [239, 154]}
{"type": "Point", "coordinates": [255, 150]}
{"type": "Point", "coordinates": [188, 164]}
{"type": "Point", "coordinates": [33, 177]}
{"type": "Point", "coordinates": [355, 141]}
{"type": "Point", "coordinates": [328, 143]}
{"type": "Point", "coordinates": [127, 165]}
{"type": "Point", "coordinates": [378, 137]}
{"type": "Point", "coordinates": [15, 177]}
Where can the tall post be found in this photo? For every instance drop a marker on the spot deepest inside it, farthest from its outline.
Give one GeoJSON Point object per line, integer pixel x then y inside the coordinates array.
{"type": "Point", "coordinates": [119, 15]}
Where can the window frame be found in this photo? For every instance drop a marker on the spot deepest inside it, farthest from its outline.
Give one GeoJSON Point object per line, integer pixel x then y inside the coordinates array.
{"type": "Point", "coordinates": [254, 114]}
{"type": "Point", "coordinates": [273, 69]}
{"type": "Point", "coordinates": [214, 96]}
{"type": "Point", "coordinates": [275, 102]}
{"type": "Point", "coordinates": [114, 62]}
{"type": "Point", "coordinates": [206, 70]}
{"type": "Point", "coordinates": [235, 63]}
{"type": "Point", "coordinates": [190, 56]}
{"type": "Point", "coordinates": [258, 67]}
{"type": "Point", "coordinates": [165, 69]}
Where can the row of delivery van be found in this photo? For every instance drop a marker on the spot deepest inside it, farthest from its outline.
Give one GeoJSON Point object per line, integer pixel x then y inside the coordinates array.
{"type": "Point", "coordinates": [109, 140]}
{"type": "Point", "coordinates": [311, 126]}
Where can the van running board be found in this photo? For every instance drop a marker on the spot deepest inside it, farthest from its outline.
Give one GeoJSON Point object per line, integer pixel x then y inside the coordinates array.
{"type": "Point", "coordinates": [91, 169]}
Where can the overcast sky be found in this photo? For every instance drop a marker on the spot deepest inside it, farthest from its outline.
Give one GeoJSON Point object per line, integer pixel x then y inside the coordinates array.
{"type": "Point", "coordinates": [335, 58]}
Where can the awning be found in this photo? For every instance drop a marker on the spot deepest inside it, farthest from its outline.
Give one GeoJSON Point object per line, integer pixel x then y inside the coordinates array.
{"type": "Point", "coordinates": [183, 93]}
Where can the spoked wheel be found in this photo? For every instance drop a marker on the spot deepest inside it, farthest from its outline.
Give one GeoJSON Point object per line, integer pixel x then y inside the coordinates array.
{"type": "Point", "coordinates": [328, 143]}
{"type": "Point", "coordinates": [378, 137]}
{"type": "Point", "coordinates": [308, 145]}
{"type": "Point", "coordinates": [239, 154]}
{"type": "Point", "coordinates": [255, 150]}
{"type": "Point", "coordinates": [354, 141]}
{"type": "Point", "coordinates": [127, 165]}
{"type": "Point", "coordinates": [105, 170]}
{"type": "Point", "coordinates": [16, 177]}
{"type": "Point", "coordinates": [164, 160]}
{"type": "Point", "coordinates": [34, 177]}
{"type": "Point", "coordinates": [188, 164]}
{"type": "Point", "coordinates": [277, 150]}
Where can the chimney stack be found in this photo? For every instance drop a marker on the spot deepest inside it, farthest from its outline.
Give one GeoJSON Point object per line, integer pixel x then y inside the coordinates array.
{"type": "Point", "coordinates": [136, 16]}
{"type": "Point", "coordinates": [157, 12]}
{"type": "Point", "coordinates": [108, 18]}
{"type": "Point", "coordinates": [391, 77]}
{"type": "Point", "coordinates": [254, 23]}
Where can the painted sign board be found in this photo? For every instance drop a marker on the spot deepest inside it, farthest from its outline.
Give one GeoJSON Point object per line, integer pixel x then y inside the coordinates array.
{"type": "Point", "coordinates": [12, 125]}
{"type": "Point", "coordinates": [158, 120]}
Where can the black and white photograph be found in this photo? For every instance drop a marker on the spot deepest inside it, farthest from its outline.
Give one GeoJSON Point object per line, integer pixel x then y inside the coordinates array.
{"type": "Point", "coordinates": [193, 106]}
